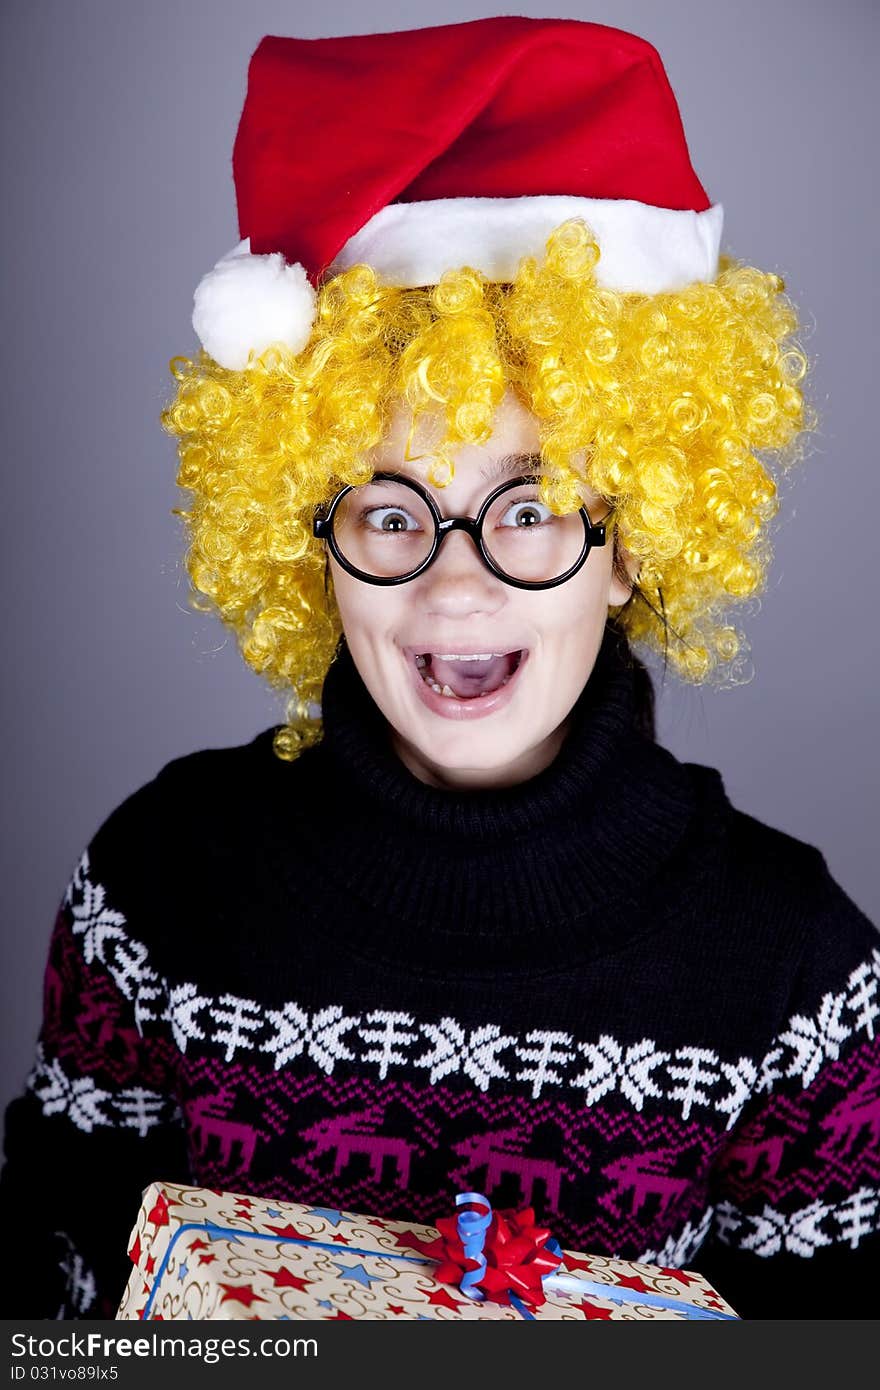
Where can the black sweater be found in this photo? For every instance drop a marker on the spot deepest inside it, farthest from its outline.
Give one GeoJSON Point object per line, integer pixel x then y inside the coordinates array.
{"type": "Point", "coordinates": [604, 992]}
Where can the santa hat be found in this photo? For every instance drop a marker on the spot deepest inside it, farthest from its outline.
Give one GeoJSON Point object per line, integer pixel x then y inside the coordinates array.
{"type": "Point", "coordinates": [430, 149]}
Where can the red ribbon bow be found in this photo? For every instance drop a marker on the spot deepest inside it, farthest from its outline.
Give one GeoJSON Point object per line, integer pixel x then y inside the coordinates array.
{"type": "Point", "coordinates": [516, 1256]}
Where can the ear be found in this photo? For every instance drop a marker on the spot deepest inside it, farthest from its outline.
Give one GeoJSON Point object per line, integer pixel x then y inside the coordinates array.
{"type": "Point", "coordinates": [624, 573]}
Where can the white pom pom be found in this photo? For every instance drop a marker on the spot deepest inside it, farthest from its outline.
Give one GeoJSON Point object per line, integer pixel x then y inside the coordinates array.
{"type": "Point", "coordinates": [249, 302]}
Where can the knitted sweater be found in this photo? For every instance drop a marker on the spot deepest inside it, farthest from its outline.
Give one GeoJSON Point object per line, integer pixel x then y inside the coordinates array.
{"type": "Point", "coordinates": [604, 992]}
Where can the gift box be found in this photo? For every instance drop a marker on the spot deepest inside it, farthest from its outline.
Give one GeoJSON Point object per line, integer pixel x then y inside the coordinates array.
{"type": "Point", "coordinates": [203, 1254]}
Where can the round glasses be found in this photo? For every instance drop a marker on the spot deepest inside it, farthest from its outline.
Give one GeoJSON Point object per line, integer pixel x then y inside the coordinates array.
{"type": "Point", "coordinates": [389, 530]}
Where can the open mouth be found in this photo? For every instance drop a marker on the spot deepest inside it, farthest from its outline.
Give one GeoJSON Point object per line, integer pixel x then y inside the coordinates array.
{"type": "Point", "coordinates": [467, 676]}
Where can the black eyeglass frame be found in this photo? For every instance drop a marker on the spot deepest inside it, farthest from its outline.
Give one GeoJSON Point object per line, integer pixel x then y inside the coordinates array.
{"type": "Point", "coordinates": [322, 527]}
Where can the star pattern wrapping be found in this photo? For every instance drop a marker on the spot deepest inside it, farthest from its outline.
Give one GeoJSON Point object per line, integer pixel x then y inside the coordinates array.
{"type": "Point", "coordinates": [200, 1254]}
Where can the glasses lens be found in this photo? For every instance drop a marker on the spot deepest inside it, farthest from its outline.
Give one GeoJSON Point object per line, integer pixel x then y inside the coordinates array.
{"type": "Point", "coordinates": [528, 541]}
{"type": "Point", "coordinates": [384, 529]}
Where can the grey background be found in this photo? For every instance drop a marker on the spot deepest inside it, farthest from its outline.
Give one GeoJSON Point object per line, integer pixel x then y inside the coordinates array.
{"type": "Point", "coordinates": [117, 122]}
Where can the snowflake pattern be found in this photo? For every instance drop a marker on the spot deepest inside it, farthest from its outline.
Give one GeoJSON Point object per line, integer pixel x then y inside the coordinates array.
{"type": "Point", "coordinates": [548, 1051]}
{"type": "Point", "coordinates": [696, 1070]}
{"type": "Point", "coordinates": [802, 1232]}
{"type": "Point", "coordinates": [863, 995]}
{"type": "Point", "coordinates": [184, 1003]}
{"type": "Point", "coordinates": [318, 1035]}
{"type": "Point", "coordinates": [742, 1076]}
{"type": "Point", "coordinates": [89, 1106]}
{"type": "Point", "coordinates": [769, 1069]}
{"type": "Point", "coordinates": [139, 1109]}
{"type": "Point", "coordinates": [59, 1094]}
{"type": "Point", "coordinates": [815, 1040]}
{"type": "Point", "coordinates": [859, 1216]}
{"type": "Point", "coordinates": [610, 1068]}
{"type": "Point", "coordinates": [100, 929]}
{"type": "Point", "coordinates": [693, 1078]}
{"type": "Point", "coordinates": [452, 1049]}
{"type": "Point", "coordinates": [392, 1033]}
{"type": "Point", "coordinates": [680, 1247]}
{"type": "Point", "coordinates": [696, 1079]}
{"type": "Point", "coordinates": [91, 918]}
{"type": "Point", "coordinates": [240, 1019]}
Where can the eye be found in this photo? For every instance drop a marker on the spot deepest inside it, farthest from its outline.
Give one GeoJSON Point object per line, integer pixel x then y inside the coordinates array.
{"type": "Point", "coordinates": [524, 514]}
{"type": "Point", "coordinates": [392, 519]}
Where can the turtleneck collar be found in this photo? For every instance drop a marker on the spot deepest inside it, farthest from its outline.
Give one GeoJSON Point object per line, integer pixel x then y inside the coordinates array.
{"type": "Point", "coordinates": [539, 870]}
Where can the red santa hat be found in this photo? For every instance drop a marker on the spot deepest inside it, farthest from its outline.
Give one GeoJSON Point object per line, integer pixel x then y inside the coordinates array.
{"type": "Point", "coordinates": [430, 149]}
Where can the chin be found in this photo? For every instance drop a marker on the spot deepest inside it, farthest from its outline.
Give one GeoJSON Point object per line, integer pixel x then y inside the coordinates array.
{"type": "Point", "coordinates": [473, 754]}
{"type": "Point", "coordinates": [477, 753]}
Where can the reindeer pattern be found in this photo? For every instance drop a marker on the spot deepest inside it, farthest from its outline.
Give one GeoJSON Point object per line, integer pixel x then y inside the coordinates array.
{"type": "Point", "coordinates": [600, 1178]}
{"type": "Point", "coordinates": [637, 1179]}
{"type": "Point", "coordinates": [499, 1154]}
{"type": "Point", "coordinates": [215, 1139]}
{"type": "Point", "coordinates": [391, 1152]}
{"type": "Point", "coordinates": [353, 1136]}
{"type": "Point", "coordinates": [854, 1119]}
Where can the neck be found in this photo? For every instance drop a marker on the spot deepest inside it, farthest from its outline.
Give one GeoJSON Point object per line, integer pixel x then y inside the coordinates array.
{"type": "Point", "coordinates": [465, 779]}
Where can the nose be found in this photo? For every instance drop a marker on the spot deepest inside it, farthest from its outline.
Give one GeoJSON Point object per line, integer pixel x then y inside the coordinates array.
{"type": "Point", "coordinates": [458, 582]}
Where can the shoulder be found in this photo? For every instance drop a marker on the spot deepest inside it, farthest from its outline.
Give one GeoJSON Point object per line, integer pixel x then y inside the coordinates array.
{"type": "Point", "coordinates": [185, 787]}
{"type": "Point", "coordinates": [165, 840]}
{"type": "Point", "coordinates": [217, 766]}
{"type": "Point", "coordinates": [784, 902]}
{"type": "Point", "coordinates": [771, 861]}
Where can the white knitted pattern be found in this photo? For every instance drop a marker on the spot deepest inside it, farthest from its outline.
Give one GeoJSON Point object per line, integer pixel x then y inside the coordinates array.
{"type": "Point", "coordinates": [691, 1079]}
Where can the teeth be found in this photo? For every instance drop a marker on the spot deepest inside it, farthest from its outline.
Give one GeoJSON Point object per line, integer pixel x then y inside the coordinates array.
{"type": "Point", "coordinates": [446, 691]}
{"type": "Point", "coordinates": [471, 656]}
{"type": "Point", "coordinates": [422, 660]}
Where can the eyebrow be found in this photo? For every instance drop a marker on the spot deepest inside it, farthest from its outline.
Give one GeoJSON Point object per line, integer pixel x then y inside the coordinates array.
{"type": "Point", "coordinates": [512, 464]}
{"type": "Point", "coordinates": [506, 465]}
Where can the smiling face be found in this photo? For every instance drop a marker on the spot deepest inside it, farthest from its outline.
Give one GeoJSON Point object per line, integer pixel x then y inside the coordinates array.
{"type": "Point", "coordinates": [475, 677]}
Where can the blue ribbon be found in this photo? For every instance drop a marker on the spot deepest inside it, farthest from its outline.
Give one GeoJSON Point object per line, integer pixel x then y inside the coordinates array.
{"type": "Point", "coordinates": [472, 1227]}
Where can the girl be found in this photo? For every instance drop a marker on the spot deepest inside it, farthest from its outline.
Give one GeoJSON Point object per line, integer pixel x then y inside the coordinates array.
{"type": "Point", "coordinates": [460, 922]}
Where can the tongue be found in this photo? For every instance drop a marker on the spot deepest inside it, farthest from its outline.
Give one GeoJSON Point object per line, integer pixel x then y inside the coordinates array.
{"type": "Point", "coordinates": [471, 678]}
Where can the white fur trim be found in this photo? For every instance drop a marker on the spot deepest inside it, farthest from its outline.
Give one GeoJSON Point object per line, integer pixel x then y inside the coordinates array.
{"type": "Point", "coordinates": [644, 248]}
{"type": "Point", "coordinates": [250, 302]}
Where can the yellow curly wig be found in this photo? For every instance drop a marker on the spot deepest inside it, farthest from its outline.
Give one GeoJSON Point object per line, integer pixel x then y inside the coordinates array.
{"type": "Point", "coordinates": [666, 404]}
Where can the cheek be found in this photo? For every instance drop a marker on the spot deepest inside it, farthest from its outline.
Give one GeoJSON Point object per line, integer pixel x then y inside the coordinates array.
{"type": "Point", "coordinates": [348, 600]}
{"type": "Point", "coordinates": [368, 613]}
{"type": "Point", "coordinates": [353, 599]}
{"type": "Point", "coordinates": [570, 612]}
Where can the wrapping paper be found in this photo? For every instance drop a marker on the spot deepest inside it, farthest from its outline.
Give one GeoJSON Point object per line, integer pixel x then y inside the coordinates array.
{"type": "Point", "coordinates": [202, 1254]}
